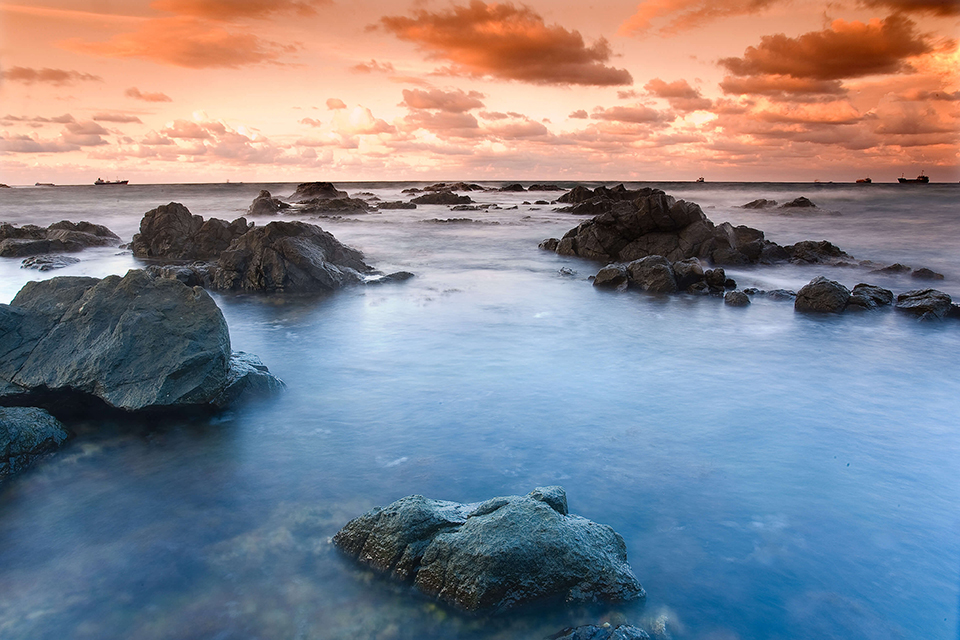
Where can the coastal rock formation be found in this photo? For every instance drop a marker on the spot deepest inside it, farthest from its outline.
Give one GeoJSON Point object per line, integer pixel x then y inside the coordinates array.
{"type": "Point", "coordinates": [25, 434]}
{"type": "Point", "coordinates": [545, 187]}
{"type": "Point", "coordinates": [926, 274]}
{"type": "Point", "coordinates": [135, 342]}
{"type": "Point", "coordinates": [324, 197]}
{"type": "Point", "coordinates": [602, 632]}
{"type": "Point", "coordinates": [64, 236]}
{"type": "Point", "coordinates": [656, 274]}
{"type": "Point", "coordinates": [171, 232]}
{"type": "Point", "coordinates": [454, 186]}
{"type": "Point", "coordinates": [442, 197]}
{"type": "Point", "coordinates": [48, 262]}
{"type": "Point", "coordinates": [317, 191]}
{"type": "Point", "coordinates": [493, 555]}
{"type": "Point", "coordinates": [799, 203]}
{"type": "Point", "coordinates": [266, 205]}
{"type": "Point", "coordinates": [927, 304]}
{"type": "Point", "coordinates": [516, 187]}
{"type": "Point", "coordinates": [760, 203]}
{"type": "Point", "coordinates": [821, 295]}
{"type": "Point", "coordinates": [398, 204]}
{"type": "Point", "coordinates": [868, 297]}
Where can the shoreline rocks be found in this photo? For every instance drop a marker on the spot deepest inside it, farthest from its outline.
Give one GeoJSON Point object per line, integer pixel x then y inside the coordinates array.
{"type": "Point", "coordinates": [495, 555]}
{"type": "Point", "coordinates": [171, 232]}
{"type": "Point", "coordinates": [59, 237]}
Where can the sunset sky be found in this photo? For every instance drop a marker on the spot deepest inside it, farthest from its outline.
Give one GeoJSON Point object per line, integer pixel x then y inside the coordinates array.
{"type": "Point", "coordinates": [294, 90]}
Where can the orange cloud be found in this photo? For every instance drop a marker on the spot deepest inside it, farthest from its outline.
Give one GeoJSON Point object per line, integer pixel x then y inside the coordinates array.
{"type": "Point", "coordinates": [634, 115]}
{"type": "Point", "coordinates": [444, 123]}
{"type": "Point", "coordinates": [135, 93]}
{"type": "Point", "coordinates": [845, 50]}
{"type": "Point", "coordinates": [449, 101]}
{"type": "Point", "coordinates": [935, 7]}
{"type": "Point", "coordinates": [232, 9]}
{"type": "Point", "coordinates": [579, 114]}
{"type": "Point", "coordinates": [56, 77]}
{"type": "Point", "coordinates": [688, 13]}
{"type": "Point", "coordinates": [508, 42]}
{"type": "Point", "coordinates": [28, 144]}
{"type": "Point", "coordinates": [780, 87]}
{"type": "Point", "coordinates": [116, 117]}
{"type": "Point", "coordinates": [335, 103]}
{"type": "Point", "coordinates": [84, 134]}
{"type": "Point", "coordinates": [373, 66]}
{"type": "Point", "coordinates": [37, 120]}
{"type": "Point", "coordinates": [679, 94]}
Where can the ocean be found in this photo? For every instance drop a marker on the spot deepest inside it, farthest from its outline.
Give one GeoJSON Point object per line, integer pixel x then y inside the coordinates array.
{"type": "Point", "coordinates": [774, 475]}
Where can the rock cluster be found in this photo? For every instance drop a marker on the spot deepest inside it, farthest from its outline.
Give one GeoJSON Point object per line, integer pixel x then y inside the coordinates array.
{"type": "Point", "coordinates": [25, 434]}
{"type": "Point", "coordinates": [323, 197]}
{"type": "Point", "coordinates": [656, 274]}
{"type": "Point", "coordinates": [171, 232]}
{"type": "Point", "coordinates": [442, 197]}
{"type": "Point", "coordinates": [60, 237]}
{"type": "Point", "coordinates": [494, 555]}
{"type": "Point", "coordinates": [822, 295]}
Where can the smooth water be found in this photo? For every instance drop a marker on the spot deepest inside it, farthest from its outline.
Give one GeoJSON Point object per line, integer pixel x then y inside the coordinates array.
{"type": "Point", "coordinates": [774, 475]}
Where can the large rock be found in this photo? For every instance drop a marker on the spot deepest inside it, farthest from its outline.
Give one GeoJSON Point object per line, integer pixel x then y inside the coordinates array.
{"type": "Point", "coordinates": [442, 197]}
{"type": "Point", "coordinates": [266, 205]}
{"type": "Point", "coordinates": [928, 304]}
{"type": "Point", "coordinates": [134, 342]}
{"type": "Point", "coordinates": [821, 295]}
{"type": "Point", "coordinates": [288, 257]}
{"type": "Point", "coordinates": [171, 232]}
{"type": "Point", "coordinates": [25, 433]}
{"type": "Point", "coordinates": [59, 237]}
{"type": "Point", "coordinates": [317, 190]}
{"type": "Point", "coordinates": [494, 555]}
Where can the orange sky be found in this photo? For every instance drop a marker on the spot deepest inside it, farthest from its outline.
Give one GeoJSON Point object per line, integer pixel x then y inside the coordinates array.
{"type": "Point", "coordinates": [291, 90]}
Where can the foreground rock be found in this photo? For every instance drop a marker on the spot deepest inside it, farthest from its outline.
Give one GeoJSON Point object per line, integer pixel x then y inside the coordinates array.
{"type": "Point", "coordinates": [135, 342]}
{"type": "Point", "coordinates": [25, 434]}
{"type": "Point", "coordinates": [171, 232]}
{"type": "Point", "coordinates": [494, 555]}
{"type": "Point", "coordinates": [60, 237]}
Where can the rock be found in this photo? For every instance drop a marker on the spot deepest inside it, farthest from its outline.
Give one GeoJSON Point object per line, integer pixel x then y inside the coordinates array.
{"type": "Point", "coordinates": [781, 294]}
{"type": "Point", "coordinates": [928, 304]}
{"type": "Point", "coordinates": [540, 202]}
{"type": "Point", "coordinates": [398, 204]}
{"type": "Point", "coordinates": [265, 205]}
{"type": "Point", "coordinates": [894, 268]}
{"type": "Point", "coordinates": [868, 296]}
{"type": "Point", "coordinates": [48, 263]}
{"type": "Point", "coordinates": [954, 311]}
{"type": "Point", "coordinates": [736, 299]}
{"type": "Point", "coordinates": [171, 232]}
{"type": "Point", "coordinates": [653, 273]}
{"type": "Point", "coordinates": [25, 434]}
{"type": "Point", "coordinates": [135, 342]}
{"type": "Point", "coordinates": [813, 252]}
{"type": "Point", "coordinates": [715, 278]}
{"type": "Point", "coordinates": [398, 276]}
{"type": "Point", "coordinates": [822, 296]}
{"type": "Point", "coordinates": [612, 275]}
{"type": "Point", "coordinates": [442, 197]}
{"type": "Point", "coordinates": [800, 202]}
{"type": "Point", "coordinates": [759, 204]}
{"type": "Point", "coordinates": [550, 244]}
{"type": "Point", "coordinates": [247, 378]}
{"type": "Point", "coordinates": [516, 187]}
{"type": "Point", "coordinates": [494, 555]}
{"type": "Point", "coordinates": [317, 191]}
{"type": "Point", "coordinates": [4, 186]}
{"type": "Point", "coordinates": [601, 632]}
{"type": "Point", "coordinates": [63, 236]}
{"type": "Point", "coordinates": [334, 205]}
{"type": "Point", "coordinates": [412, 190]}
{"type": "Point", "coordinates": [926, 274]}
{"type": "Point", "coordinates": [545, 187]}
{"type": "Point", "coordinates": [291, 257]}
{"type": "Point", "coordinates": [465, 207]}
{"type": "Point", "coordinates": [687, 272]}
{"type": "Point", "coordinates": [455, 186]}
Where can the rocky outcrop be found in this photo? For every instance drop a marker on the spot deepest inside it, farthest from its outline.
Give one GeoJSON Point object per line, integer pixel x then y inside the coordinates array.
{"type": "Point", "coordinates": [442, 197]}
{"type": "Point", "coordinates": [868, 297]}
{"type": "Point", "coordinates": [317, 191]}
{"type": "Point", "coordinates": [266, 205]}
{"type": "Point", "coordinates": [397, 204]}
{"type": "Point", "coordinates": [171, 232]}
{"type": "Point", "coordinates": [652, 273]}
{"type": "Point", "coordinates": [927, 304]}
{"type": "Point", "coordinates": [656, 274]}
{"type": "Point", "coordinates": [334, 205]}
{"type": "Point", "coordinates": [60, 237]}
{"type": "Point", "coordinates": [760, 203]}
{"type": "Point", "coordinates": [48, 262]}
{"type": "Point", "coordinates": [516, 187]}
{"type": "Point", "coordinates": [799, 203]}
{"type": "Point", "coordinates": [452, 186]}
{"type": "Point", "coordinates": [926, 274]}
{"type": "Point", "coordinates": [821, 295]}
{"type": "Point", "coordinates": [494, 555]}
{"type": "Point", "coordinates": [544, 187]}
{"type": "Point", "coordinates": [135, 342]}
{"type": "Point", "coordinates": [25, 434]}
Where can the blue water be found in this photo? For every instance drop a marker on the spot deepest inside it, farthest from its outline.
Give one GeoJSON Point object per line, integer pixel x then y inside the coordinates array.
{"type": "Point", "coordinates": [775, 476]}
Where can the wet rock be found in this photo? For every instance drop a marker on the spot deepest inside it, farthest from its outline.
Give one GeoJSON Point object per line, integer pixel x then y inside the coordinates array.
{"type": "Point", "coordinates": [540, 202]}
{"type": "Point", "coordinates": [60, 237]}
{"type": "Point", "coordinates": [25, 434]}
{"type": "Point", "coordinates": [442, 197]}
{"type": "Point", "coordinates": [578, 194]}
{"type": "Point", "coordinates": [687, 272]}
{"type": "Point", "coordinates": [171, 232]}
{"type": "Point", "coordinates": [612, 275]}
{"type": "Point", "coordinates": [816, 252]}
{"type": "Point", "coordinates": [412, 190]}
{"type": "Point", "coordinates": [868, 297]}
{"type": "Point", "coordinates": [736, 299]}
{"type": "Point", "coordinates": [134, 342]}
{"type": "Point", "coordinates": [801, 203]}
{"type": "Point", "coordinates": [266, 205]}
{"type": "Point", "coordinates": [317, 191]}
{"type": "Point", "coordinates": [653, 273]}
{"type": "Point", "coordinates": [550, 244]}
{"type": "Point", "coordinates": [601, 632]}
{"type": "Point", "coordinates": [247, 378]}
{"type": "Point", "coordinates": [398, 204]}
{"type": "Point", "coordinates": [821, 295]}
{"type": "Point", "coordinates": [47, 262]}
{"type": "Point", "coordinates": [715, 278]}
{"type": "Point", "coordinates": [516, 187]}
{"type": "Point", "coordinates": [759, 204]}
{"type": "Point", "coordinates": [465, 207]}
{"type": "Point", "coordinates": [928, 304]}
{"type": "Point", "coordinates": [926, 274]}
{"type": "Point", "coordinates": [398, 276]}
{"type": "Point", "coordinates": [495, 555]}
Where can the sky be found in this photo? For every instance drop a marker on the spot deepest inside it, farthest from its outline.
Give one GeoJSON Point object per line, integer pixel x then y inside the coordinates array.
{"type": "Point", "coordinates": [167, 91]}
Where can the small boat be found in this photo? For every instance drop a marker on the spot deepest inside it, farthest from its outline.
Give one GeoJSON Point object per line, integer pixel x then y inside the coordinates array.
{"type": "Point", "coordinates": [102, 182]}
{"type": "Point", "coordinates": [44, 184]}
{"type": "Point", "coordinates": [920, 179]}
{"type": "Point", "coordinates": [864, 181]}
{"type": "Point", "coordinates": [700, 179]}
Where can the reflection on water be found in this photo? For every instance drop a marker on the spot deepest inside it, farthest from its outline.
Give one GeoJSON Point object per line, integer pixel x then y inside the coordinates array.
{"type": "Point", "coordinates": [773, 475]}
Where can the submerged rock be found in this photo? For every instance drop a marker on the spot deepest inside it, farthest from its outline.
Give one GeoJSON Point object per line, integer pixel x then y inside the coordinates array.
{"type": "Point", "coordinates": [25, 434]}
{"type": "Point", "coordinates": [398, 204]}
{"type": "Point", "coordinates": [134, 342]}
{"type": "Point", "coordinates": [926, 274]}
{"type": "Point", "coordinates": [760, 203]}
{"type": "Point", "coordinates": [821, 295]}
{"type": "Point", "coordinates": [494, 555]}
{"type": "Point", "coordinates": [59, 237]}
{"type": "Point", "coordinates": [516, 187]}
{"type": "Point", "coordinates": [927, 304]}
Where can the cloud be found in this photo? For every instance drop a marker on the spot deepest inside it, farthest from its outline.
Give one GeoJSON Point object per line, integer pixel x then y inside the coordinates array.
{"type": "Point", "coordinates": [627, 95]}
{"type": "Point", "coordinates": [781, 87]}
{"type": "Point", "coordinates": [232, 9]}
{"type": "Point", "coordinates": [845, 50]}
{"type": "Point", "coordinates": [28, 144]}
{"type": "Point", "coordinates": [922, 95]}
{"type": "Point", "coordinates": [687, 14]}
{"type": "Point", "coordinates": [135, 93]}
{"type": "Point", "coordinates": [116, 117]}
{"type": "Point", "coordinates": [445, 123]}
{"type": "Point", "coordinates": [38, 120]}
{"type": "Point", "coordinates": [508, 42]}
{"type": "Point", "coordinates": [335, 103]}
{"type": "Point", "coordinates": [449, 101]}
{"type": "Point", "coordinates": [373, 66]}
{"type": "Point", "coordinates": [516, 127]}
{"type": "Point", "coordinates": [84, 134]}
{"type": "Point", "coordinates": [579, 114]}
{"type": "Point", "coordinates": [189, 130]}
{"type": "Point", "coordinates": [634, 115]}
{"type": "Point", "coordinates": [56, 77]}
{"type": "Point", "coordinates": [185, 41]}
{"type": "Point", "coordinates": [679, 94]}
{"type": "Point", "coordinates": [935, 7]}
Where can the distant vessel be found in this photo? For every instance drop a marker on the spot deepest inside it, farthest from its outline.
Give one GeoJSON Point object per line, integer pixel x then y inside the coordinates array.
{"type": "Point", "coordinates": [864, 181]}
{"type": "Point", "coordinates": [102, 182]}
{"type": "Point", "coordinates": [700, 179]}
{"type": "Point", "coordinates": [44, 184]}
{"type": "Point", "coordinates": [920, 179]}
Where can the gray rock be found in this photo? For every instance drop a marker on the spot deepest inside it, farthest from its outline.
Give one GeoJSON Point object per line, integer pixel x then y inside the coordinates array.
{"type": "Point", "coordinates": [334, 205]}
{"type": "Point", "coordinates": [736, 299]}
{"type": "Point", "coordinates": [171, 232]}
{"type": "Point", "coordinates": [550, 244]}
{"type": "Point", "coordinates": [494, 555]}
{"type": "Point", "coordinates": [266, 205]}
{"type": "Point", "coordinates": [800, 202]}
{"type": "Point", "coordinates": [247, 378]}
{"type": "Point", "coordinates": [653, 273]}
{"type": "Point", "coordinates": [602, 632]}
{"type": "Point", "coordinates": [759, 204]}
{"type": "Point", "coordinates": [612, 275]}
{"type": "Point", "coordinates": [928, 304]}
{"type": "Point", "coordinates": [868, 296]}
{"type": "Point", "coordinates": [821, 295]}
{"type": "Point", "coordinates": [47, 262]}
{"type": "Point", "coordinates": [926, 274]}
{"type": "Point", "coordinates": [893, 268]}
{"type": "Point", "coordinates": [545, 187]}
{"type": "Point", "coordinates": [317, 190]}
{"type": "Point", "coordinates": [454, 186]}
{"type": "Point", "coordinates": [814, 252]}
{"type": "Point", "coordinates": [25, 434]}
{"type": "Point", "coordinates": [397, 276]}
{"type": "Point", "coordinates": [134, 342]}
{"type": "Point", "coordinates": [516, 187]}
{"type": "Point", "coordinates": [442, 197]}
{"type": "Point", "coordinates": [688, 272]}
{"type": "Point", "coordinates": [60, 237]}
{"type": "Point", "coordinates": [398, 204]}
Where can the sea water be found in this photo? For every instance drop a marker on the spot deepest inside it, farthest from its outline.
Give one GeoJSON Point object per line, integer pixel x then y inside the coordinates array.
{"type": "Point", "coordinates": [774, 475]}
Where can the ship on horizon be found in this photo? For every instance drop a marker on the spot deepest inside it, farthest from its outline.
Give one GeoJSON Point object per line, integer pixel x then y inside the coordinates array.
{"type": "Point", "coordinates": [920, 179]}
{"type": "Point", "coordinates": [103, 182]}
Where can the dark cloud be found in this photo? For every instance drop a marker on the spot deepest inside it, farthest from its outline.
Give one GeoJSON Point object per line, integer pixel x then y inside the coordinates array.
{"type": "Point", "coordinates": [116, 117]}
{"type": "Point", "coordinates": [635, 115]}
{"type": "Point", "coordinates": [679, 94]}
{"type": "Point", "coordinates": [56, 77]}
{"type": "Point", "coordinates": [450, 101]}
{"type": "Point", "coordinates": [845, 50]}
{"type": "Point", "coordinates": [508, 42]}
{"type": "Point", "coordinates": [935, 7]}
{"type": "Point", "coordinates": [147, 96]}
{"type": "Point", "coordinates": [781, 87]}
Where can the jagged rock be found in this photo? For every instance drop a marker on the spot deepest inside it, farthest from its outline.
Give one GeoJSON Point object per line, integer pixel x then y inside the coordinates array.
{"type": "Point", "coordinates": [25, 434]}
{"type": "Point", "coordinates": [550, 244]}
{"type": "Point", "coordinates": [759, 204]}
{"type": "Point", "coordinates": [171, 232]}
{"type": "Point", "coordinates": [247, 378]}
{"type": "Point", "coordinates": [822, 296]}
{"type": "Point", "coordinates": [868, 296]}
{"type": "Point", "coordinates": [716, 279]}
{"type": "Point", "coordinates": [48, 263]}
{"type": "Point", "coordinates": [800, 202]}
{"type": "Point", "coordinates": [442, 197]}
{"type": "Point", "coordinates": [926, 274]}
{"type": "Point", "coordinates": [398, 204]}
{"type": "Point", "coordinates": [652, 273]}
{"type": "Point", "coordinates": [928, 304]}
{"type": "Point", "coordinates": [612, 275]}
{"type": "Point", "coordinates": [494, 555]}
{"type": "Point", "coordinates": [63, 236]}
{"type": "Point", "coordinates": [317, 190]}
{"type": "Point", "coordinates": [736, 299]}
{"type": "Point", "coordinates": [601, 632]}
{"type": "Point", "coordinates": [135, 342]}
{"type": "Point", "coordinates": [266, 205]}
{"type": "Point", "coordinates": [516, 187]}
